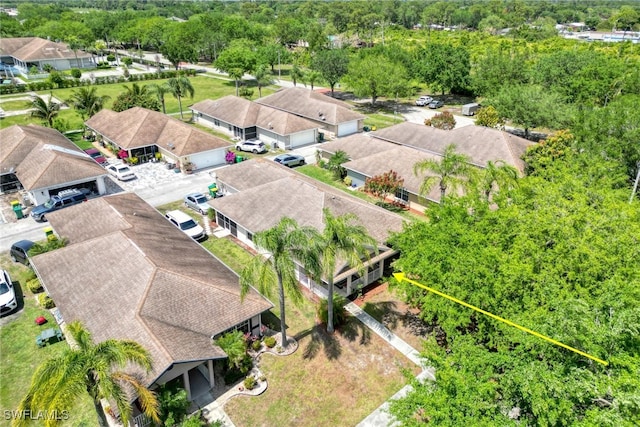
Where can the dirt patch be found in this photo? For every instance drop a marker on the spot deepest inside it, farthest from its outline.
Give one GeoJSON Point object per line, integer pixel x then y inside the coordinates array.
{"type": "Point", "coordinates": [394, 314]}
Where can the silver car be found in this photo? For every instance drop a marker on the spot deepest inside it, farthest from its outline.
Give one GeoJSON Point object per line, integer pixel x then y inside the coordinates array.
{"type": "Point", "coordinates": [290, 160]}
{"type": "Point", "coordinates": [197, 202]}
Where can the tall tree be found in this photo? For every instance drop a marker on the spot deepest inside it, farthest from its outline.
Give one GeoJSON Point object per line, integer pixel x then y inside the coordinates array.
{"type": "Point", "coordinates": [45, 110]}
{"type": "Point", "coordinates": [263, 78]}
{"type": "Point", "coordinates": [375, 75]}
{"type": "Point", "coordinates": [311, 77]}
{"type": "Point", "coordinates": [284, 244]}
{"type": "Point", "coordinates": [332, 65]}
{"type": "Point", "coordinates": [343, 240]}
{"type": "Point", "coordinates": [179, 88]}
{"type": "Point", "coordinates": [90, 368]}
{"type": "Point", "coordinates": [497, 176]}
{"type": "Point", "coordinates": [236, 60]}
{"type": "Point", "coordinates": [296, 74]}
{"type": "Point", "coordinates": [443, 67]}
{"type": "Point", "coordinates": [450, 172]}
{"type": "Point", "coordinates": [135, 96]}
{"type": "Point", "coordinates": [160, 91]}
{"type": "Point", "coordinates": [180, 44]}
{"type": "Point", "coordinates": [87, 102]}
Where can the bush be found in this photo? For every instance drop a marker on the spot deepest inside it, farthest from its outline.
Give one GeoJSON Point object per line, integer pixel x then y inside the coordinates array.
{"type": "Point", "coordinates": [76, 73]}
{"type": "Point", "coordinates": [111, 57]}
{"type": "Point", "coordinates": [339, 313]}
{"type": "Point", "coordinates": [45, 301]}
{"type": "Point", "coordinates": [249, 383]}
{"type": "Point", "coordinates": [348, 181]}
{"type": "Point", "coordinates": [270, 342]}
{"type": "Point", "coordinates": [127, 61]}
{"type": "Point", "coordinates": [211, 214]}
{"type": "Point", "coordinates": [34, 286]}
{"type": "Point", "coordinates": [256, 345]}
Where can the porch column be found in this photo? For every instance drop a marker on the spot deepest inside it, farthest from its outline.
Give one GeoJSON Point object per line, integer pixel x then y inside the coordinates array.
{"type": "Point", "coordinates": [349, 285]}
{"type": "Point", "coordinates": [212, 380]}
{"type": "Point", "coordinates": [187, 386]}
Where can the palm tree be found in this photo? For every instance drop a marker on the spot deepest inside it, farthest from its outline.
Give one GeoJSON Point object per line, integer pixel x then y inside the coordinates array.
{"type": "Point", "coordinates": [179, 88]}
{"type": "Point", "coordinates": [452, 171]}
{"type": "Point", "coordinates": [312, 77]}
{"type": "Point", "coordinates": [497, 174]}
{"type": "Point", "coordinates": [285, 243]}
{"type": "Point", "coordinates": [335, 164]}
{"type": "Point", "coordinates": [86, 101]}
{"type": "Point", "coordinates": [263, 78]}
{"type": "Point", "coordinates": [296, 74]}
{"type": "Point", "coordinates": [160, 90]}
{"type": "Point", "coordinates": [346, 241]}
{"type": "Point", "coordinates": [87, 367]}
{"type": "Point", "coordinates": [44, 110]}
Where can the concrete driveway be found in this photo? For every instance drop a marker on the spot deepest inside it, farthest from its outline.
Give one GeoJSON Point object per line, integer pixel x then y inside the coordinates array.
{"type": "Point", "coordinates": [415, 114]}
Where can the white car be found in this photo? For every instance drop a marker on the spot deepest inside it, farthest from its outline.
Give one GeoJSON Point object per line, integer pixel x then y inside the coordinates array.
{"type": "Point", "coordinates": [253, 145]}
{"type": "Point", "coordinates": [8, 301]}
{"type": "Point", "coordinates": [423, 100]}
{"type": "Point", "coordinates": [187, 224]}
{"type": "Point", "coordinates": [121, 171]}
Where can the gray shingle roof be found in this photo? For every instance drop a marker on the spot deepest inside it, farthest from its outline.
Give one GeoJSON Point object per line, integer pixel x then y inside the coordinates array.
{"type": "Point", "coordinates": [128, 273]}
{"type": "Point", "coordinates": [139, 127]}
{"type": "Point", "coordinates": [244, 113]}
{"type": "Point", "coordinates": [309, 104]}
{"type": "Point", "coordinates": [42, 157]}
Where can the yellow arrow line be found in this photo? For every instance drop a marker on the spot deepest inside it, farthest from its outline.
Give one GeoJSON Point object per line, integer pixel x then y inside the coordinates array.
{"type": "Point", "coordinates": [401, 277]}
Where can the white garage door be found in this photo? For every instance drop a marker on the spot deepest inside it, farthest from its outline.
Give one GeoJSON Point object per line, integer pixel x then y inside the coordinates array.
{"type": "Point", "coordinates": [348, 128]}
{"type": "Point", "coordinates": [208, 158]}
{"type": "Point", "coordinates": [303, 138]}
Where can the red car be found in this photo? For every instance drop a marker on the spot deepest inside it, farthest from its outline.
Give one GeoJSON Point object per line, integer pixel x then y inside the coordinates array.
{"type": "Point", "coordinates": [96, 155]}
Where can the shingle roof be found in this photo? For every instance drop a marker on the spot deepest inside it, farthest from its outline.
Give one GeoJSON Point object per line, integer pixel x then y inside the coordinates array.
{"type": "Point", "coordinates": [128, 273]}
{"type": "Point", "coordinates": [250, 174]}
{"type": "Point", "coordinates": [310, 104]}
{"type": "Point", "coordinates": [29, 49]}
{"type": "Point", "coordinates": [261, 205]}
{"type": "Point", "coordinates": [139, 127]}
{"type": "Point", "coordinates": [357, 145]}
{"type": "Point", "coordinates": [480, 143]}
{"type": "Point", "coordinates": [244, 113]}
{"type": "Point", "coordinates": [42, 157]}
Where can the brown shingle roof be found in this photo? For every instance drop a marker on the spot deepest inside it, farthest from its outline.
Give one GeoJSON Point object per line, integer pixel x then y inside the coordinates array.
{"type": "Point", "coordinates": [244, 113]}
{"type": "Point", "coordinates": [357, 145]}
{"type": "Point", "coordinates": [480, 143]}
{"type": "Point", "coordinates": [245, 175]}
{"type": "Point", "coordinates": [133, 275]}
{"type": "Point", "coordinates": [29, 49]}
{"type": "Point", "coordinates": [139, 127]}
{"type": "Point", "coordinates": [42, 157]}
{"type": "Point", "coordinates": [309, 104]}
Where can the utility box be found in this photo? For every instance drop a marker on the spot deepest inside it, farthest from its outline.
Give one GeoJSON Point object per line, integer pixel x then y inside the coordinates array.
{"type": "Point", "coordinates": [470, 109]}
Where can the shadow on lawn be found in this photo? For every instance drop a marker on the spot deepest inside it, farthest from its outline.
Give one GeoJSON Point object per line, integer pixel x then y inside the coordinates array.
{"type": "Point", "coordinates": [320, 339]}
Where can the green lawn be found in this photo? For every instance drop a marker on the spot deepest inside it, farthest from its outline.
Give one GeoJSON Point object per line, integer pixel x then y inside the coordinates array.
{"type": "Point", "coordinates": [19, 354]}
{"type": "Point", "coordinates": [15, 105]}
{"type": "Point", "coordinates": [381, 121]}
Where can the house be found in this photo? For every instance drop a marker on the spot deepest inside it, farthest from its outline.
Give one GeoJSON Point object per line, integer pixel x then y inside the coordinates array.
{"type": "Point", "coordinates": [259, 193]}
{"type": "Point", "coordinates": [142, 133]}
{"type": "Point", "coordinates": [127, 273]}
{"type": "Point", "coordinates": [26, 52]}
{"type": "Point", "coordinates": [332, 115]}
{"type": "Point", "coordinates": [44, 162]}
{"type": "Point", "coordinates": [244, 119]}
{"type": "Point", "coordinates": [401, 146]}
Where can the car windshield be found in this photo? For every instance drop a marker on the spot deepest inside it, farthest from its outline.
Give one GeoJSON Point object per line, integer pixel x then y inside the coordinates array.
{"type": "Point", "coordinates": [188, 224]}
{"type": "Point", "coordinates": [201, 200]}
{"type": "Point", "coordinates": [123, 169]}
{"type": "Point", "coordinates": [4, 288]}
{"type": "Point", "coordinates": [49, 204]}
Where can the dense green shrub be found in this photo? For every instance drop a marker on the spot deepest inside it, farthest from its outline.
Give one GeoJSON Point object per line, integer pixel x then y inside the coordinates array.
{"type": "Point", "coordinates": [256, 345]}
{"type": "Point", "coordinates": [76, 73]}
{"type": "Point", "coordinates": [173, 403]}
{"type": "Point", "coordinates": [34, 286]}
{"type": "Point", "coordinates": [45, 301]}
{"type": "Point", "coordinates": [270, 342]}
{"type": "Point", "coordinates": [127, 61]}
{"type": "Point", "coordinates": [111, 57]}
{"type": "Point", "coordinates": [249, 383]}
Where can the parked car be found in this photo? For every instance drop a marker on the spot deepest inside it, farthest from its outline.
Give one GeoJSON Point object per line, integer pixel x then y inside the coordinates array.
{"type": "Point", "coordinates": [253, 145]}
{"type": "Point", "coordinates": [20, 251]}
{"type": "Point", "coordinates": [197, 202]}
{"type": "Point", "coordinates": [436, 104]}
{"type": "Point", "coordinates": [424, 100]}
{"type": "Point", "coordinates": [62, 200]}
{"type": "Point", "coordinates": [96, 155]}
{"type": "Point", "coordinates": [8, 301]}
{"type": "Point", "coordinates": [185, 223]}
{"type": "Point", "coordinates": [121, 171]}
{"type": "Point", "coordinates": [290, 160]}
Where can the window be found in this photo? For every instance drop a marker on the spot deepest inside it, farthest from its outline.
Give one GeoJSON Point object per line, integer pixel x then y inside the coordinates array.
{"type": "Point", "coordinates": [216, 122]}
{"type": "Point", "coordinates": [402, 195]}
{"type": "Point", "coordinates": [250, 236]}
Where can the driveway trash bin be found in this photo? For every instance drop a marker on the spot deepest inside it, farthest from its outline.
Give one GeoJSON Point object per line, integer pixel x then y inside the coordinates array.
{"type": "Point", "coordinates": [48, 231]}
{"type": "Point", "coordinates": [17, 209]}
{"type": "Point", "coordinates": [365, 128]}
{"type": "Point", "coordinates": [213, 190]}
{"type": "Point", "coordinates": [239, 159]}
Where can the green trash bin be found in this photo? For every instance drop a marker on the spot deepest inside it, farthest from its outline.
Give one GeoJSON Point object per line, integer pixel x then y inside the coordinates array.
{"type": "Point", "coordinates": [365, 128]}
{"type": "Point", "coordinates": [17, 209]}
{"type": "Point", "coordinates": [213, 190]}
{"type": "Point", "coordinates": [239, 159]}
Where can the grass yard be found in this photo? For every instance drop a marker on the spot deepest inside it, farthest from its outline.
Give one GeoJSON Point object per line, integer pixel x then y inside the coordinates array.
{"type": "Point", "coordinates": [19, 354]}
{"type": "Point", "coordinates": [381, 121]}
{"type": "Point", "coordinates": [330, 380]}
{"type": "Point", "coordinates": [15, 105]}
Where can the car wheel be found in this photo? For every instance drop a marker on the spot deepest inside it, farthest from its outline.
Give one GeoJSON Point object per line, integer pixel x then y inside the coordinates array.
{"type": "Point", "coordinates": [43, 218]}
{"type": "Point", "coordinates": [302, 162]}
{"type": "Point", "coordinates": [13, 259]}
{"type": "Point", "coordinates": [255, 151]}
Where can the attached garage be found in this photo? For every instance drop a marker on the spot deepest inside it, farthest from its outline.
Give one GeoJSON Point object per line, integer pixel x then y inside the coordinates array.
{"type": "Point", "coordinates": [303, 138]}
{"type": "Point", "coordinates": [208, 158]}
{"type": "Point", "coordinates": [347, 128]}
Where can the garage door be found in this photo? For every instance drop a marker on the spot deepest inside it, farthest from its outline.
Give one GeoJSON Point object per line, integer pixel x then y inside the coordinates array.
{"type": "Point", "coordinates": [347, 128]}
{"type": "Point", "coordinates": [302, 138]}
{"type": "Point", "coordinates": [208, 158]}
